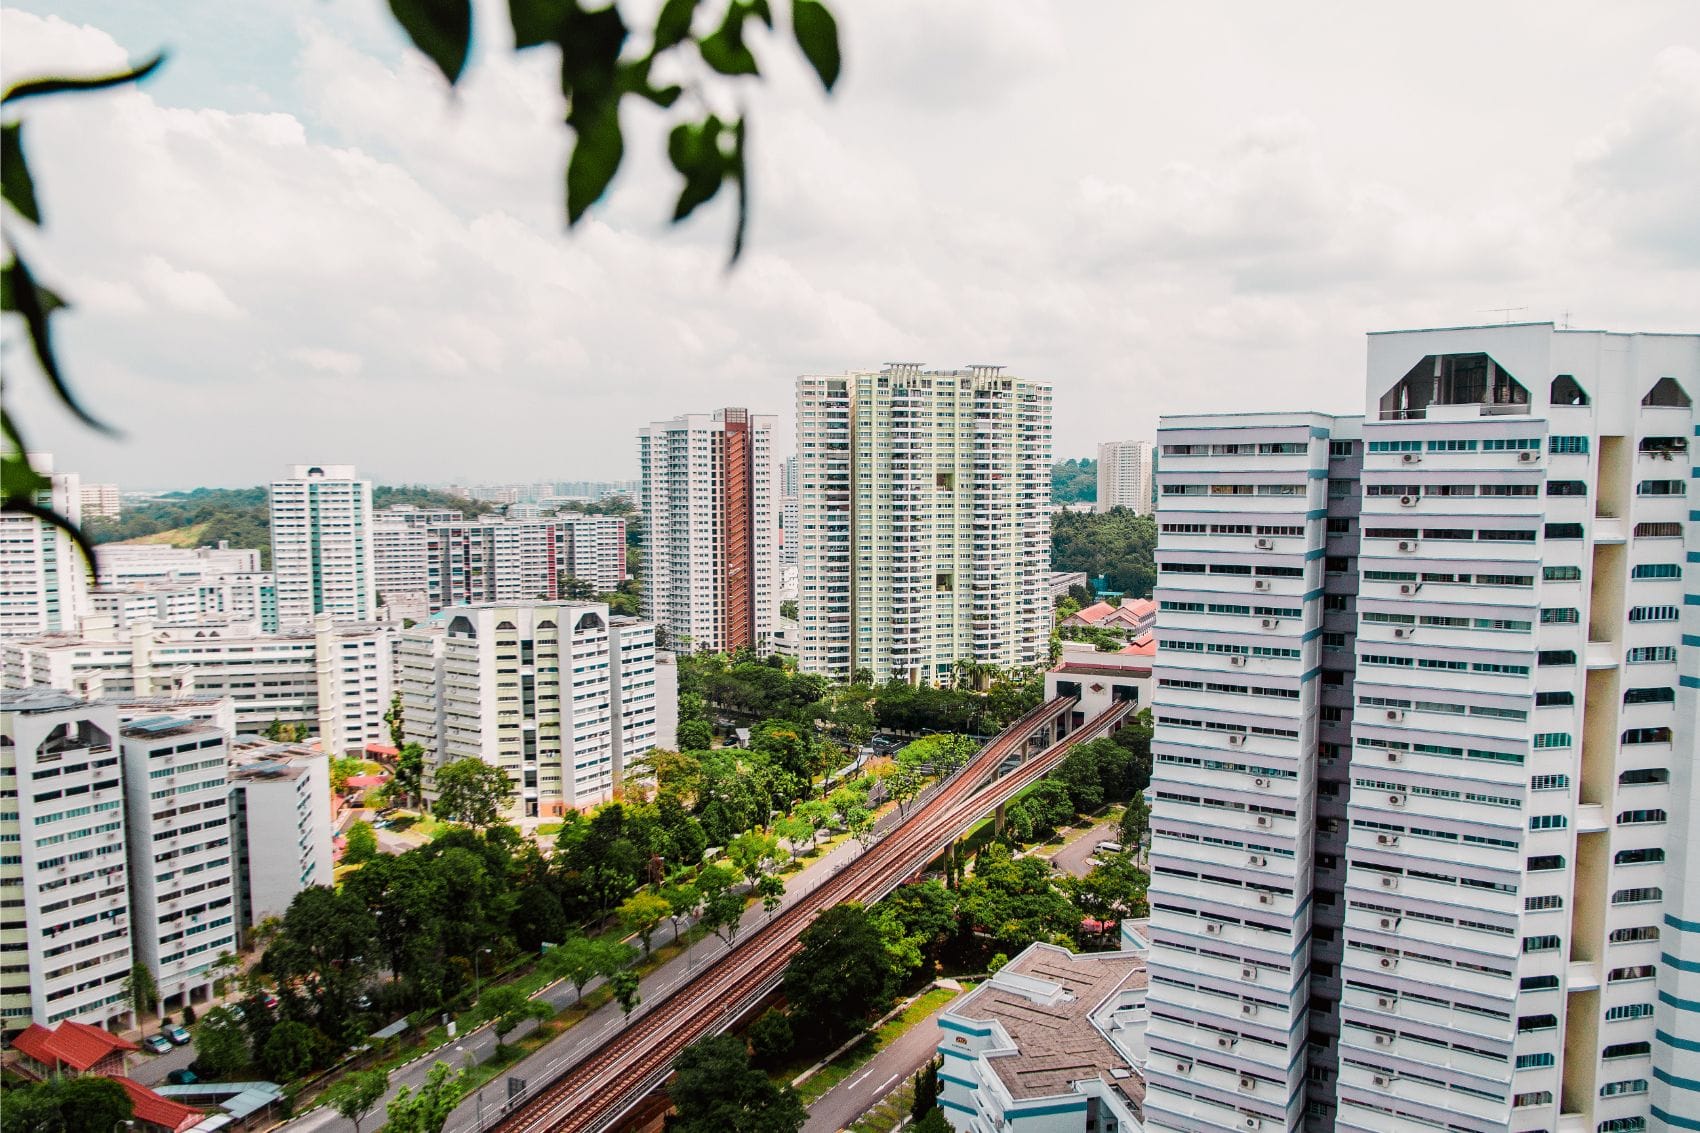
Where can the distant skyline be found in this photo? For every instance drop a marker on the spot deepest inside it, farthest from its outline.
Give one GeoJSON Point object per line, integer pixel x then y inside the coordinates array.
{"type": "Point", "coordinates": [295, 246]}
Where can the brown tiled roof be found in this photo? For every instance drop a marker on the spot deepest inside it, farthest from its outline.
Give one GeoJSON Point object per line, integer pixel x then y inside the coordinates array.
{"type": "Point", "coordinates": [77, 1045]}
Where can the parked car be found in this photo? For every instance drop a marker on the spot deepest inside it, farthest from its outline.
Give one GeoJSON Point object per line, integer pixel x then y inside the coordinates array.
{"type": "Point", "coordinates": [158, 1044]}
{"type": "Point", "coordinates": [177, 1034]}
{"type": "Point", "coordinates": [237, 1012]}
{"type": "Point", "coordinates": [269, 1002]}
{"type": "Point", "coordinates": [363, 1002]}
{"type": "Point", "coordinates": [182, 1078]}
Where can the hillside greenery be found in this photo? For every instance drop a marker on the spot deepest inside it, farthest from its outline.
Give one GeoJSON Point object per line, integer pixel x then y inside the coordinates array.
{"type": "Point", "coordinates": [1074, 481]}
{"type": "Point", "coordinates": [1117, 545]}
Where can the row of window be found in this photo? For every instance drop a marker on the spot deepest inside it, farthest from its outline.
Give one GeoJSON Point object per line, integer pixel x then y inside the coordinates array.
{"type": "Point", "coordinates": [1491, 444]}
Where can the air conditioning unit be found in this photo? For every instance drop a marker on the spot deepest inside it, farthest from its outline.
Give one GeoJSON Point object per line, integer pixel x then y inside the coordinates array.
{"type": "Point", "coordinates": [1393, 757]}
{"type": "Point", "coordinates": [1390, 963]}
{"type": "Point", "coordinates": [1237, 661]}
{"type": "Point", "coordinates": [1248, 1009]}
{"type": "Point", "coordinates": [1183, 1068]}
{"type": "Point", "coordinates": [1527, 457]}
{"type": "Point", "coordinates": [1260, 782]}
{"type": "Point", "coordinates": [1388, 881]}
{"type": "Point", "coordinates": [1410, 587]}
{"type": "Point", "coordinates": [1387, 839]}
{"type": "Point", "coordinates": [1225, 1042]}
{"type": "Point", "coordinates": [1236, 740]}
{"type": "Point", "coordinates": [1410, 458]}
{"type": "Point", "coordinates": [1271, 623]}
{"type": "Point", "coordinates": [1407, 501]}
{"type": "Point", "coordinates": [1404, 631]}
{"type": "Point", "coordinates": [1257, 859]}
{"type": "Point", "coordinates": [1252, 1123]}
{"type": "Point", "coordinates": [1407, 544]}
{"type": "Point", "coordinates": [1248, 973]}
{"type": "Point", "coordinates": [1264, 822]}
{"type": "Point", "coordinates": [1389, 924]}
{"type": "Point", "coordinates": [1212, 928]}
{"type": "Point", "coordinates": [1395, 800]}
{"type": "Point", "coordinates": [1383, 1040]}
{"type": "Point", "coordinates": [1266, 898]}
{"type": "Point", "coordinates": [1381, 1080]}
{"type": "Point", "coordinates": [1386, 1002]}
{"type": "Point", "coordinates": [1266, 544]}
{"type": "Point", "coordinates": [1260, 584]}
{"type": "Point", "coordinates": [1395, 715]}
{"type": "Point", "coordinates": [1248, 1084]}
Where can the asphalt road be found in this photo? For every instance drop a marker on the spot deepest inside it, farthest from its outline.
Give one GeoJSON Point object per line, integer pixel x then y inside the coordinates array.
{"type": "Point", "coordinates": [860, 1092]}
{"type": "Point", "coordinates": [1071, 858]}
{"type": "Point", "coordinates": [150, 1069]}
{"type": "Point", "coordinates": [589, 1033]}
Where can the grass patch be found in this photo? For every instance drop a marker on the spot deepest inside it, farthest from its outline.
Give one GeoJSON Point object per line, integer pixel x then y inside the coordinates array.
{"type": "Point", "coordinates": [858, 1056]}
{"type": "Point", "coordinates": [190, 536]}
{"type": "Point", "coordinates": [549, 829]}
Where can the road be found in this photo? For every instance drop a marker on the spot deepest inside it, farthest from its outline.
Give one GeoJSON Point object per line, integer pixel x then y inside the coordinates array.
{"type": "Point", "coordinates": [587, 1035]}
{"type": "Point", "coordinates": [1071, 858]}
{"type": "Point", "coordinates": [860, 1092]}
{"type": "Point", "coordinates": [150, 1069]}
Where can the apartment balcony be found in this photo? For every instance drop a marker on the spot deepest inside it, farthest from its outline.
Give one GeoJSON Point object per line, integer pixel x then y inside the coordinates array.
{"type": "Point", "coordinates": [1431, 1055]}
{"type": "Point", "coordinates": [1361, 1080]}
{"type": "Point", "coordinates": [1601, 655]}
{"type": "Point", "coordinates": [1591, 818]}
{"type": "Point", "coordinates": [1610, 529]}
{"type": "Point", "coordinates": [1582, 975]}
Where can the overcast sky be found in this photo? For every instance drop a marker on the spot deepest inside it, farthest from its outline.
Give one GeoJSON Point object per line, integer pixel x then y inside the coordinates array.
{"type": "Point", "coordinates": [294, 246]}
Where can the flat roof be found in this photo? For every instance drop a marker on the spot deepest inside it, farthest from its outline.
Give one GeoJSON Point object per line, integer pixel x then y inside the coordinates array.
{"type": "Point", "coordinates": [40, 700]}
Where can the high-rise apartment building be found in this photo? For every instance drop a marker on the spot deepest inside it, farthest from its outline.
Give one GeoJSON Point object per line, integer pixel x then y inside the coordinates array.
{"type": "Point", "coordinates": [43, 579]}
{"type": "Point", "coordinates": [321, 528]}
{"type": "Point", "coordinates": [710, 529]}
{"type": "Point", "coordinates": [595, 550]}
{"type": "Point", "coordinates": [561, 696]}
{"type": "Point", "coordinates": [64, 898]}
{"type": "Point", "coordinates": [924, 511]}
{"type": "Point", "coordinates": [1125, 477]}
{"type": "Point", "coordinates": [177, 815]}
{"type": "Point", "coordinates": [280, 817]}
{"type": "Point", "coordinates": [788, 533]}
{"type": "Point", "coordinates": [1424, 832]}
{"type": "Point", "coordinates": [101, 500]}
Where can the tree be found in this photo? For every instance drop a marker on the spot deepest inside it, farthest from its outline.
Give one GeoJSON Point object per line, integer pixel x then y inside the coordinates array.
{"type": "Point", "coordinates": [795, 828]}
{"type": "Point", "coordinates": [643, 913]}
{"type": "Point", "coordinates": [682, 903]}
{"type": "Point", "coordinates": [472, 792]}
{"type": "Point", "coordinates": [66, 1105]}
{"type": "Point", "coordinates": [580, 959]}
{"type": "Point", "coordinates": [926, 1089]}
{"type": "Point", "coordinates": [342, 769]}
{"type": "Point", "coordinates": [392, 719]}
{"type": "Point", "coordinates": [788, 609]}
{"type": "Point", "coordinates": [771, 890]}
{"type": "Point", "coordinates": [624, 984]}
{"type": "Point", "coordinates": [362, 844]}
{"type": "Point", "coordinates": [289, 1050]}
{"type": "Point", "coordinates": [1072, 482]}
{"type": "Point", "coordinates": [694, 735]}
{"type": "Point", "coordinates": [770, 1037]}
{"type": "Point", "coordinates": [903, 785]}
{"type": "Point", "coordinates": [1015, 901]}
{"type": "Point", "coordinates": [507, 1006]}
{"type": "Point", "coordinates": [722, 914]}
{"type": "Point", "coordinates": [1118, 546]}
{"type": "Point", "coordinates": [753, 853]}
{"type": "Point", "coordinates": [140, 989]}
{"type": "Point", "coordinates": [358, 1093]}
{"type": "Point", "coordinates": [409, 777]}
{"type": "Point", "coordinates": [934, 1122]}
{"type": "Point", "coordinates": [1136, 821]}
{"type": "Point", "coordinates": [716, 1090]}
{"type": "Point", "coordinates": [221, 1044]}
{"type": "Point", "coordinates": [840, 973]}
{"type": "Point", "coordinates": [428, 1109]}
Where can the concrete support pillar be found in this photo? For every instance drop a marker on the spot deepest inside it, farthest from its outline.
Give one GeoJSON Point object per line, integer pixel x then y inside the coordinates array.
{"type": "Point", "coordinates": [998, 820]}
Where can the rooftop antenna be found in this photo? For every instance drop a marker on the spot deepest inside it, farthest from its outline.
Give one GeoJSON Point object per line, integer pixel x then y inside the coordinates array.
{"type": "Point", "coordinates": [1564, 320]}
{"type": "Point", "coordinates": [1504, 312]}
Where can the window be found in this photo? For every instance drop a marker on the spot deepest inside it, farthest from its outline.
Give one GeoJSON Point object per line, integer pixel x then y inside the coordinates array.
{"type": "Point", "coordinates": [1550, 783]}
{"type": "Point", "coordinates": [1661, 488]}
{"type": "Point", "coordinates": [1565, 530]}
{"type": "Point", "coordinates": [1638, 895]}
{"type": "Point", "coordinates": [1561, 574]}
{"type": "Point", "coordinates": [1533, 1061]}
{"type": "Point", "coordinates": [1563, 446]}
{"type": "Point", "coordinates": [1549, 740]}
{"type": "Point", "coordinates": [1622, 1125]}
{"type": "Point", "coordinates": [1653, 613]}
{"type": "Point", "coordinates": [1338, 449]}
{"type": "Point", "coordinates": [1667, 392]}
{"type": "Point", "coordinates": [1537, 1022]}
{"type": "Point", "coordinates": [1544, 943]}
{"type": "Point", "coordinates": [1656, 570]}
{"type": "Point", "coordinates": [1557, 616]}
{"type": "Point", "coordinates": [1556, 699]}
{"type": "Point", "coordinates": [1566, 488]}
{"type": "Point", "coordinates": [1647, 736]}
{"type": "Point", "coordinates": [1640, 817]}
{"type": "Point", "coordinates": [1642, 776]}
{"type": "Point", "coordinates": [1633, 972]}
{"type": "Point", "coordinates": [1542, 862]}
{"type": "Point", "coordinates": [1645, 654]}
{"type": "Point", "coordinates": [1548, 822]}
{"type": "Point", "coordinates": [1649, 696]}
{"type": "Point", "coordinates": [1556, 657]}
{"type": "Point", "coordinates": [1534, 1097]}
{"type": "Point", "coordinates": [1627, 1050]}
{"type": "Point", "coordinates": [1452, 446]}
{"type": "Point", "coordinates": [1646, 856]}
{"type": "Point", "coordinates": [1656, 531]}
{"type": "Point", "coordinates": [1542, 904]}
{"type": "Point", "coordinates": [1628, 1011]}
{"type": "Point", "coordinates": [1634, 935]}
{"type": "Point", "coordinates": [1394, 446]}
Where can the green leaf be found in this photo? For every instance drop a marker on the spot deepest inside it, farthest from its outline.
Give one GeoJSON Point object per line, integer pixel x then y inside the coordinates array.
{"type": "Point", "coordinates": [724, 50]}
{"type": "Point", "coordinates": [596, 158]}
{"type": "Point", "coordinates": [35, 304]}
{"type": "Point", "coordinates": [695, 152]}
{"type": "Point", "coordinates": [19, 190]}
{"type": "Point", "coordinates": [672, 25]}
{"type": "Point", "coordinates": [634, 79]}
{"type": "Point", "coordinates": [817, 35]}
{"type": "Point", "coordinates": [536, 21]}
{"type": "Point", "coordinates": [736, 170]}
{"type": "Point", "coordinates": [590, 59]}
{"type": "Point", "coordinates": [18, 480]}
{"type": "Point", "coordinates": [58, 84]}
{"type": "Point", "coordinates": [442, 29]}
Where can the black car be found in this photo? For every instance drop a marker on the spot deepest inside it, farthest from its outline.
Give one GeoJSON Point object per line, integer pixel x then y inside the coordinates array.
{"type": "Point", "coordinates": [182, 1078]}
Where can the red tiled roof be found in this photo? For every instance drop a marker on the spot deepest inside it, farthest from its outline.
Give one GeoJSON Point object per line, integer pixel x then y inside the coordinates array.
{"type": "Point", "coordinates": [381, 749]}
{"type": "Point", "coordinates": [77, 1045]}
{"type": "Point", "coordinates": [361, 782]}
{"type": "Point", "coordinates": [1146, 646]}
{"type": "Point", "coordinates": [1140, 607]}
{"type": "Point", "coordinates": [1095, 611]}
{"type": "Point", "coordinates": [155, 1109]}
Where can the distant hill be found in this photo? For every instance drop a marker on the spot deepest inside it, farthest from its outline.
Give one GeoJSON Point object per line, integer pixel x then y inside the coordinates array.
{"type": "Point", "coordinates": [1074, 481]}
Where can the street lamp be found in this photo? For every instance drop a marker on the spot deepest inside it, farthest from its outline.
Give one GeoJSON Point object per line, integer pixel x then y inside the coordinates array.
{"type": "Point", "coordinates": [477, 987]}
{"type": "Point", "coordinates": [470, 1061]}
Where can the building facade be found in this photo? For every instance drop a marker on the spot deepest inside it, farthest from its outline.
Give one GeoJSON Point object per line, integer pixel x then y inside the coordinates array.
{"type": "Point", "coordinates": [561, 696]}
{"type": "Point", "coordinates": [177, 817]}
{"type": "Point", "coordinates": [924, 514]}
{"type": "Point", "coordinates": [101, 500]}
{"type": "Point", "coordinates": [788, 534]}
{"type": "Point", "coordinates": [710, 529]}
{"type": "Point", "coordinates": [1425, 732]}
{"type": "Point", "coordinates": [124, 564]}
{"type": "Point", "coordinates": [321, 530]}
{"type": "Point", "coordinates": [64, 877]}
{"type": "Point", "coordinates": [280, 819]}
{"type": "Point", "coordinates": [1126, 471]}
{"type": "Point", "coordinates": [43, 580]}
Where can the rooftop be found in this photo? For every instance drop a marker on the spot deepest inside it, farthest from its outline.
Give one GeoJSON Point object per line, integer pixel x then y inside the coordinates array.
{"type": "Point", "coordinates": [158, 727]}
{"type": "Point", "coordinates": [1044, 1000]}
{"type": "Point", "coordinates": [77, 1045]}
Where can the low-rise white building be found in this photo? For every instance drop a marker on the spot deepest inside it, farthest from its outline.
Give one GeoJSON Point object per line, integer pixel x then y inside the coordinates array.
{"type": "Point", "coordinates": [177, 812]}
{"type": "Point", "coordinates": [1053, 1043]}
{"type": "Point", "coordinates": [64, 898]}
{"type": "Point", "coordinates": [122, 564]}
{"type": "Point", "coordinates": [280, 810]}
{"type": "Point", "coordinates": [561, 696]}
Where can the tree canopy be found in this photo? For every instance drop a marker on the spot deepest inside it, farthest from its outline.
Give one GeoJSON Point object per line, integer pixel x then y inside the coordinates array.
{"type": "Point", "coordinates": [841, 974]}
{"type": "Point", "coordinates": [716, 1090]}
{"type": "Point", "coordinates": [471, 792]}
{"type": "Point", "coordinates": [1074, 481]}
{"type": "Point", "coordinates": [1118, 545]}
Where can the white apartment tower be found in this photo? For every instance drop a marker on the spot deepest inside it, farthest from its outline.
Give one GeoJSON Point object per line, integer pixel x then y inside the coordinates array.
{"type": "Point", "coordinates": [710, 529]}
{"type": "Point", "coordinates": [1125, 476]}
{"type": "Point", "coordinates": [788, 534]}
{"type": "Point", "coordinates": [64, 895]}
{"type": "Point", "coordinates": [924, 515]}
{"type": "Point", "coordinates": [101, 500]}
{"type": "Point", "coordinates": [177, 810]}
{"type": "Point", "coordinates": [1425, 831]}
{"type": "Point", "coordinates": [561, 696]}
{"type": "Point", "coordinates": [43, 580]}
{"type": "Point", "coordinates": [321, 527]}
{"type": "Point", "coordinates": [280, 818]}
